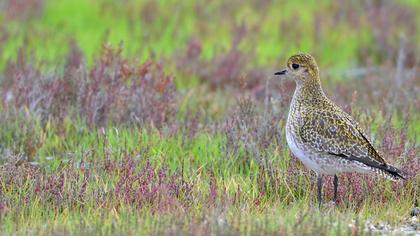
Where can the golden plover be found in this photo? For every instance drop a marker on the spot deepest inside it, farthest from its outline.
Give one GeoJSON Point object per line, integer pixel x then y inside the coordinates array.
{"type": "Point", "coordinates": [324, 137]}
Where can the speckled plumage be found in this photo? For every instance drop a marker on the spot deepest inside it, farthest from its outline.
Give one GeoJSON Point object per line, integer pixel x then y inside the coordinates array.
{"type": "Point", "coordinates": [324, 137]}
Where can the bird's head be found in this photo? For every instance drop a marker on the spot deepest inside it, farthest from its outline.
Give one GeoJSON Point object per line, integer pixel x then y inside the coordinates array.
{"type": "Point", "coordinates": [301, 68]}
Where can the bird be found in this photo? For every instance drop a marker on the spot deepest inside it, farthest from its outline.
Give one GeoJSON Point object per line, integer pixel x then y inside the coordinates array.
{"type": "Point", "coordinates": [321, 135]}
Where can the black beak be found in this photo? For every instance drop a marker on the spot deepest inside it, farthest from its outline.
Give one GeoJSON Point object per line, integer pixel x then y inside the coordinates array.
{"type": "Point", "coordinates": [283, 72]}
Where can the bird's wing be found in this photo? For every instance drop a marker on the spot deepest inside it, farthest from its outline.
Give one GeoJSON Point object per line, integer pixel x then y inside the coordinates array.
{"type": "Point", "coordinates": [335, 134]}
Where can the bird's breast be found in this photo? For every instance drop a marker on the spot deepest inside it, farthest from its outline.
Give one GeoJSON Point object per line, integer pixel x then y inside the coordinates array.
{"type": "Point", "coordinates": [294, 141]}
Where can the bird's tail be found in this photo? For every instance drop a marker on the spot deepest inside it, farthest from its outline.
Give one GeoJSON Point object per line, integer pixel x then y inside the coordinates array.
{"type": "Point", "coordinates": [392, 173]}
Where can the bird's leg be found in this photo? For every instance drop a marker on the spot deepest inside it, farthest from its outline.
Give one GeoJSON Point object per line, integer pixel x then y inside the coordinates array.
{"type": "Point", "coordinates": [335, 188]}
{"type": "Point", "coordinates": [319, 182]}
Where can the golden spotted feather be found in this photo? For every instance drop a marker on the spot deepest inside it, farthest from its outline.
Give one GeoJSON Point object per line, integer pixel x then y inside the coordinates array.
{"type": "Point", "coordinates": [333, 133]}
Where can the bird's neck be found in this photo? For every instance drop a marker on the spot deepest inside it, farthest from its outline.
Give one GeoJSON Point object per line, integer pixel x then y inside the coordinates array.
{"type": "Point", "coordinates": [309, 92]}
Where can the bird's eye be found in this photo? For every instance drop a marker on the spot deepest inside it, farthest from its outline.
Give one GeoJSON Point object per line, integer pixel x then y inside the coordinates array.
{"type": "Point", "coordinates": [295, 66]}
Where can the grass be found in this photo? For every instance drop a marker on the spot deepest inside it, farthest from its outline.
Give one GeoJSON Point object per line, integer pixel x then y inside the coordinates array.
{"type": "Point", "coordinates": [92, 185]}
{"type": "Point", "coordinates": [180, 128]}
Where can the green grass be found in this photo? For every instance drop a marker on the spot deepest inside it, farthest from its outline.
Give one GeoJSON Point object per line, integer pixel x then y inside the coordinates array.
{"type": "Point", "coordinates": [284, 208]}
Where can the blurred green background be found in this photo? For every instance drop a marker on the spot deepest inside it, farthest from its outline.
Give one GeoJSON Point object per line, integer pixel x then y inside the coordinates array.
{"type": "Point", "coordinates": [340, 34]}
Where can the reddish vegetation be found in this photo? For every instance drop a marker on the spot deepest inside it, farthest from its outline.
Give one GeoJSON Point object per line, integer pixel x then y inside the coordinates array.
{"type": "Point", "coordinates": [113, 89]}
{"type": "Point", "coordinates": [132, 182]}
